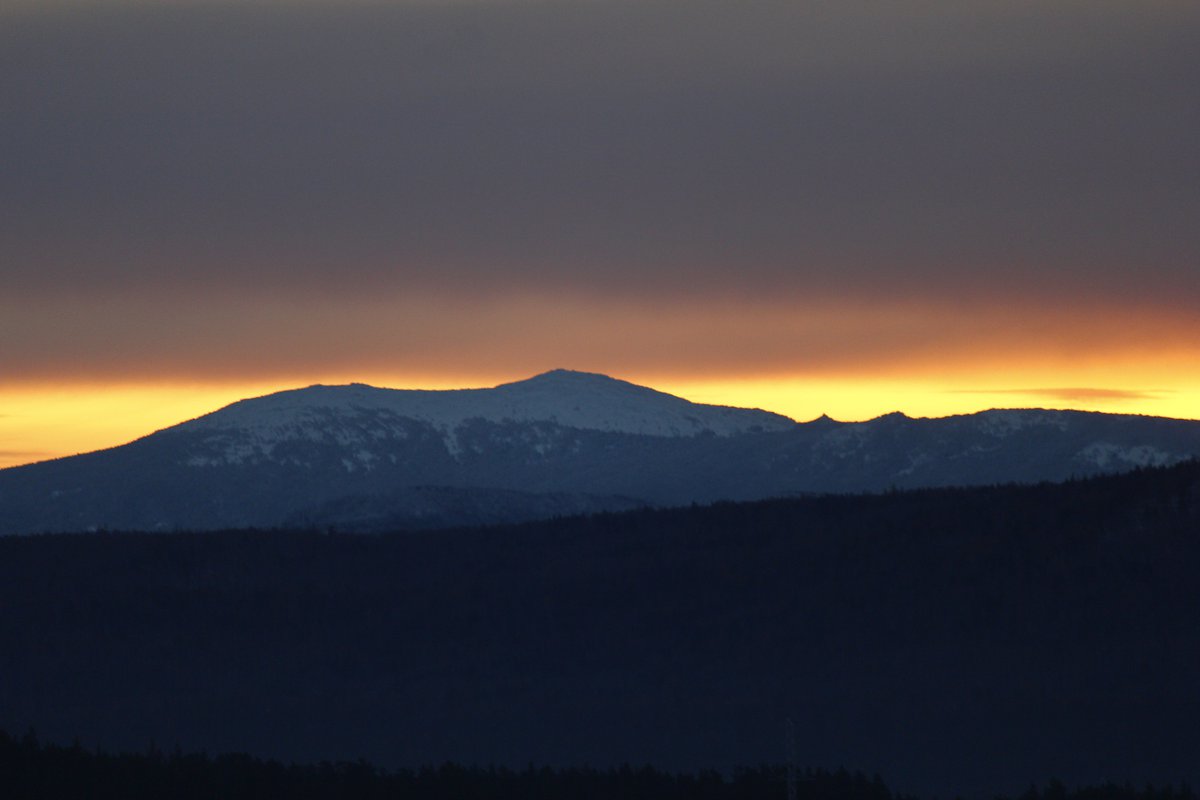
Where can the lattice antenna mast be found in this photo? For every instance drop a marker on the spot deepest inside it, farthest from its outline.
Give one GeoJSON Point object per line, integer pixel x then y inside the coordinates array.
{"type": "Point", "coordinates": [790, 745]}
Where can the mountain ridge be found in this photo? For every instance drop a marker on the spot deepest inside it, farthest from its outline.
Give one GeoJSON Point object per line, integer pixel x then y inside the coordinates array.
{"type": "Point", "coordinates": [574, 399]}
{"type": "Point", "coordinates": [560, 443]}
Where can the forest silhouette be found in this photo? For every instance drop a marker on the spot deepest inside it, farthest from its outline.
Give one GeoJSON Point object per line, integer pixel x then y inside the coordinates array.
{"type": "Point", "coordinates": [956, 640]}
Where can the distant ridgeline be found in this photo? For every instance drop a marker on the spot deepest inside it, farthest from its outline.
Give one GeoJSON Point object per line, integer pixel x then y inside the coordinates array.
{"type": "Point", "coordinates": [957, 641]}
{"type": "Point", "coordinates": [30, 769]}
{"type": "Point", "coordinates": [358, 458]}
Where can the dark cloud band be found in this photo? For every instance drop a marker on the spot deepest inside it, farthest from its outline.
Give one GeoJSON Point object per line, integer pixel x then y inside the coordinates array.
{"type": "Point", "coordinates": [186, 185]}
{"type": "Point", "coordinates": [599, 147]}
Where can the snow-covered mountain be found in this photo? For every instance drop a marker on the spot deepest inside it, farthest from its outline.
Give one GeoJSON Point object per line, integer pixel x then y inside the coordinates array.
{"type": "Point", "coordinates": [363, 418]}
{"type": "Point", "coordinates": [363, 458]}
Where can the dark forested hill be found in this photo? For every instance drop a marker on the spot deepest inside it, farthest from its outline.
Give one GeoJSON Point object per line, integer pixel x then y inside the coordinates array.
{"type": "Point", "coordinates": [953, 640]}
{"type": "Point", "coordinates": [32, 770]}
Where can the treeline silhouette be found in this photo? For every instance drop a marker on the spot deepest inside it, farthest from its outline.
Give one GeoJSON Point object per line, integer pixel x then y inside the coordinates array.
{"type": "Point", "coordinates": [31, 769]}
{"type": "Point", "coordinates": [954, 640]}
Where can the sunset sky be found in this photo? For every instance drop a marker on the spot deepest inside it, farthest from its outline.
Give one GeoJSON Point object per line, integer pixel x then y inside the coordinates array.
{"type": "Point", "coordinates": [847, 207]}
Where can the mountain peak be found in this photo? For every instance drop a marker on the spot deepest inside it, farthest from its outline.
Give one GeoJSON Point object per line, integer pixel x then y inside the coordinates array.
{"type": "Point", "coordinates": [570, 377]}
{"type": "Point", "coordinates": [584, 400]}
{"type": "Point", "coordinates": [568, 374]}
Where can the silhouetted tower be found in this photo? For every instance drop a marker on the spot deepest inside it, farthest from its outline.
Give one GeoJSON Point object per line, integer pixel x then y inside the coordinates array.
{"type": "Point", "coordinates": [790, 745]}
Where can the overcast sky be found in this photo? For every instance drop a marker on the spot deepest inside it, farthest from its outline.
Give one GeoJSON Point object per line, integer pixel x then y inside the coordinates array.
{"type": "Point", "coordinates": [246, 189]}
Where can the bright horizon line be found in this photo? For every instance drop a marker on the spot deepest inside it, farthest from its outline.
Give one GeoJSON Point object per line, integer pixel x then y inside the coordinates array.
{"type": "Point", "coordinates": [42, 422]}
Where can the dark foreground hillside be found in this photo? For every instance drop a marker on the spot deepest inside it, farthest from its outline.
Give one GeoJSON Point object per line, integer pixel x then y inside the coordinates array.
{"type": "Point", "coordinates": [30, 769]}
{"type": "Point", "coordinates": [954, 641]}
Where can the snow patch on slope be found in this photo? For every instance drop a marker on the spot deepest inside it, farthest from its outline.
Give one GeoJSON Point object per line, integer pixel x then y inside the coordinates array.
{"type": "Point", "coordinates": [1005, 422]}
{"type": "Point", "coordinates": [357, 414]}
{"type": "Point", "coordinates": [1107, 455]}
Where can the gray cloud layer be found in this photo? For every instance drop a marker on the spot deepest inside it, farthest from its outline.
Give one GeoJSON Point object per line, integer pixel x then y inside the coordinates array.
{"type": "Point", "coordinates": [216, 188]}
{"type": "Point", "coordinates": [1046, 149]}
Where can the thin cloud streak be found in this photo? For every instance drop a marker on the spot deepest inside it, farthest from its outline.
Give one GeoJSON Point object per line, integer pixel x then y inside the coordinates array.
{"type": "Point", "coordinates": [22, 455]}
{"type": "Point", "coordinates": [1076, 394]}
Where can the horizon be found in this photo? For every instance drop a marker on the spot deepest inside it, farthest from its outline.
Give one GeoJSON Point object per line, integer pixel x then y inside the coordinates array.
{"type": "Point", "coordinates": [846, 209]}
{"type": "Point", "coordinates": [174, 406]}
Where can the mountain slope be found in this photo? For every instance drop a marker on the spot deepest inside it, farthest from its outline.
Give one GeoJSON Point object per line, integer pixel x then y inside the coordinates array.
{"type": "Point", "coordinates": [359, 415]}
{"type": "Point", "coordinates": [360, 458]}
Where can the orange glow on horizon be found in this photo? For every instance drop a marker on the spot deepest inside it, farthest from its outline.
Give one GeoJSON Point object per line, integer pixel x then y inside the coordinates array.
{"type": "Point", "coordinates": [40, 422]}
{"type": "Point", "coordinates": [801, 359]}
